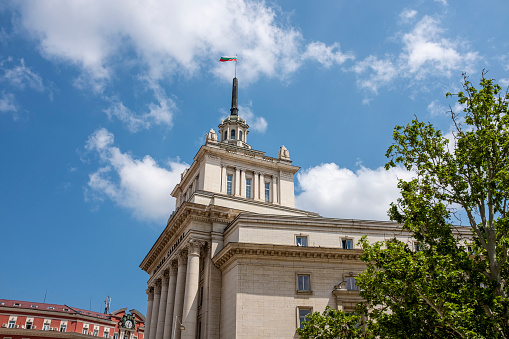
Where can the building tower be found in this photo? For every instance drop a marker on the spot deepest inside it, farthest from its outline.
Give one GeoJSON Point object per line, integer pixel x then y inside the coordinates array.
{"type": "Point", "coordinates": [236, 258]}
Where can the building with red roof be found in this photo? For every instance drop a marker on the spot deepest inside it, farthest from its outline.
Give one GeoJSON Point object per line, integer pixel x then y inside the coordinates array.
{"type": "Point", "coordinates": [27, 320]}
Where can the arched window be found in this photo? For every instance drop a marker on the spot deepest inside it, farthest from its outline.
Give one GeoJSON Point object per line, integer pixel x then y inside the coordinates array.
{"type": "Point", "coordinates": [240, 135]}
{"type": "Point", "coordinates": [233, 135]}
{"type": "Point", "coordinates": [225, 135]}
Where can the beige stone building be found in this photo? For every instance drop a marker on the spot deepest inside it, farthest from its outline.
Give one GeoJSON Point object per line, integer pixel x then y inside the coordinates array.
{"type": "Point", "coordinates": [237, 259]}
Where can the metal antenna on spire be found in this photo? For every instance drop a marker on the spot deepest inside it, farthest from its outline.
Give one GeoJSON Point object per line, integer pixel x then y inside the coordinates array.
{"type": "Point", "coordinates": [235, 65]}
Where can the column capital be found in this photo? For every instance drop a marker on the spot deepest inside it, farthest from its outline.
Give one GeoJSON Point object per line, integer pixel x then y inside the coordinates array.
{"type": "Point", "coordinates": [157, 287]}
{"type": "Point", "coordinates": [150, 293]}
{"type": "Point", "coordinates": [182, 257]}
{"type": "Point", "coordinates": [195, 246]}
{"type": "Point", "coordinates": [173, 267]}
{"type": "Point", "coordinates": [166, 277]}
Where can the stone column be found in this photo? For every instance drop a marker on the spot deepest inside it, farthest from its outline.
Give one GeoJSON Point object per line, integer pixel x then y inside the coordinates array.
{"type": "Point", "coordinates": [256, 186]}
{"type": "Point", "coordinates": [262, 187]}
{"type": "Point", "coordinates": [162, 306]}
{"type": "Point", "coordinates": [155, 310]}
{"type": "Point", "coordinates": [223, 179]}
{"type": "Point", "coordinates": [150, 302]}
{"type": "Point", "coordinates": [179, 290]}
{"type": "Point", "coordinates": [237, 182]}
{"type": "Point", "coordinates": [190, 310]}
{"type": "Point", "coordinates": [243, 183]}
{"type": "Point", "coordinates": [274, 190]}
{"type": "Point", "coordinates": [170, 301]}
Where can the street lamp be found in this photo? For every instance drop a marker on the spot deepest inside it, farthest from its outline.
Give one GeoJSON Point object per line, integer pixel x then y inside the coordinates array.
{"type": "Point", "coordinates": [175, 326]}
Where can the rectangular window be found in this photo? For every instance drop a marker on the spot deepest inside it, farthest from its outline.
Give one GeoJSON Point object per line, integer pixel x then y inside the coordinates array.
{"type": "Point", "coordinates": [248, 188]}
{"type": "Point", "coordinates": [45, 327]}
{"type": "Point", "coordinates": [417, 247]}
{"type": "Point", "coordinates": [303, 283]}
{"type": "Point", "coordinates": [350, 284]}
{"type": "Point", "coordinates": [229, 180]}
{"type": "Point", "coordinates": [302, 313]}
{"type": "Point", "coordinates": [28, 325]}
{"type": "Point", "coordinates": [85, 330]}
{"type": "Point", "coordinates": [96, 332]}
{"type": "Point", "coordinates": [347, 244]}
{"type": "Point", "coordinates": [106, 334]}
{"type": "Point", "coordinates": [12, 323]}
{"type": "Point", "coordinates": [115, 336]}
{"type": "Point", "coordinates": [63, 328]}
{"type": "Point", "coordinates": [302, 241]}
{"type": "Point", "coordinates": [267, 191]}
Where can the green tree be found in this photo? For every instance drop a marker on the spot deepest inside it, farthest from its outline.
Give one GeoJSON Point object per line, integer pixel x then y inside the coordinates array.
{"type": "Point", "coordinates": [332, 324]}
{"type": "Point", "coordinates": [455, 285]}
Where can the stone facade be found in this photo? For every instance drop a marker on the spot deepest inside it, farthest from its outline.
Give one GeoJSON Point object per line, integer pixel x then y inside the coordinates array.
{"type": "Point", "coordinates": [237, 259]}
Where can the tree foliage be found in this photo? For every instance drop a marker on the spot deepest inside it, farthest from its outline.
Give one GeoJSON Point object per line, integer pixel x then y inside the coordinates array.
{"type": "Point", "coordinates": [332, 324]}
{"type": "Point", "coordinates": [455, 286]}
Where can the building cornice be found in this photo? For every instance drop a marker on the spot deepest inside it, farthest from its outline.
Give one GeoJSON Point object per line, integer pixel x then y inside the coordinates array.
{"type": "Point", "coordinates": [234, 251]}
{"type": "Point", "coordinates": [188, 211]}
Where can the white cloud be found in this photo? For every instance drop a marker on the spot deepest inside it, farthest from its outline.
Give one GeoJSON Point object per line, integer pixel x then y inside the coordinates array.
{"type": "Point", "coordinates": [380, 72]}
{"type": "Point", "coordinates": [141, 186]}
{"type": "Point", "coordinates": [326, 55]}
{"type": "Point", "coordinates": [339, 192]}
{"type": "Point", "coordinates": [425, 53]}
{"type": "Point", "coordinates": [21, 76]}
{"type": "Point", "coordinates": [504, 82]}
{"type": "Point", "coordinates": [408, 14]}
{"type": "Point", "coordinates": [166, 36]}
{"type": "Point", "coordinates": [443, 2]}
{"type": "Point", "coordinates": [160, 113]}
{"type": "Point", "coordinates": [7, 103]}
{"type": "Point", "coordinates": [435, 109]}
{"type": "Point", "coordinates": [255, 123]}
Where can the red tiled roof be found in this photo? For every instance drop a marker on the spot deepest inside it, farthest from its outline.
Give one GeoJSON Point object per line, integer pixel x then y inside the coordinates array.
{"type": "Point", "coordinates": [51, 307]}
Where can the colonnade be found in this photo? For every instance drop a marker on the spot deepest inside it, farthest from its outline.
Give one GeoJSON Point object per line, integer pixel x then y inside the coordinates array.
{"type": "Point", "coordinates": [175, 294]}
{"type": "Point", "coordinates": [257, 185]}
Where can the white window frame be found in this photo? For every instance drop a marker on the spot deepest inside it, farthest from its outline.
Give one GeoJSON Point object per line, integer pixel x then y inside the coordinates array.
{"type": "Point", "coordinates": [45, 326]}
{"type": "Point", "coordinates": [229, 189]}
{"type": "Point", "coordinates": [266, 189]}
{"type": "Point", "coordinates": [301, 236]}
{"type": "Point", "coordinates": [301, 277]}
{"type": "Point", "coordinates": [345, 241]}
{"type": "Point", "coordinates": [299, 308]}
{"type": "Point", "coordinates": [12, 323]}
{"type": "Point", "coordinates": [347, 277]}
{"type": "Point", "coordinates": [63, 327]}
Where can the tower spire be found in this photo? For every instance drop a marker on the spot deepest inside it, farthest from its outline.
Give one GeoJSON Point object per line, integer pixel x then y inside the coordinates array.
{"type": "Point", "coordinates": [235, 97]}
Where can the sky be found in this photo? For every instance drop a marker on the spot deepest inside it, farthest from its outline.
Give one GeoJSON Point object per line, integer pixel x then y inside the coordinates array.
{"type": "Point", "coordinates": [104, 103]}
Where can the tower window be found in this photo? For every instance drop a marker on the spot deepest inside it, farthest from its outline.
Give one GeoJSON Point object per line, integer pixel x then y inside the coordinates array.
{"type": "Point", "coordinates": [232, 134]}
{"type": "Point", "coordinates": [240, 135]}
{"type": "Point", "coordinates": [229, 180]}
{"type": "Point", "coordinates": [225, 135]}
{"type": "Point", "coordinates": [248, 187]}
{"type": "Point", "coordinates": [267, 191]}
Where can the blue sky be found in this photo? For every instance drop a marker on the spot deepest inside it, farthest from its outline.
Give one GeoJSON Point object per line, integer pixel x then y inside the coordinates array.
{"type": "Point", "coordinates": [104, 103]}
